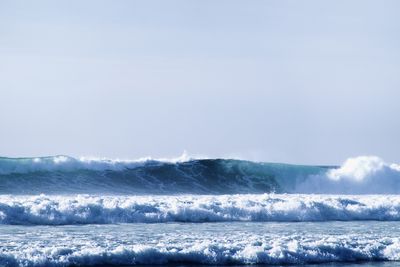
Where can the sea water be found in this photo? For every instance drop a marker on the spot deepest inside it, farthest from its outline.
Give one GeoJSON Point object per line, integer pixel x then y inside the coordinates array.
{"type": "Point", "coordinates": [235, 243]}
{"type": "Point", "coordinates": [60, 211]}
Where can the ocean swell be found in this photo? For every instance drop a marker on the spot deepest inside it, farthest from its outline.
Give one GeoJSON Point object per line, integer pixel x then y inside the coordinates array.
{"type": "Point", "coordinates": [63, 175]}
{"type": "Point", "coordinates": [66, 175]}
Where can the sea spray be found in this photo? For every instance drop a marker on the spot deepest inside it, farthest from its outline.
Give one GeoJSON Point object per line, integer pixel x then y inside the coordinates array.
{"type": "Point", "coordinates": [66, 175]}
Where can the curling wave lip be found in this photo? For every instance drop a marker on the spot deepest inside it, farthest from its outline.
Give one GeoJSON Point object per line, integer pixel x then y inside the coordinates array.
{"type": "Point", "coordinates": [66, 175]}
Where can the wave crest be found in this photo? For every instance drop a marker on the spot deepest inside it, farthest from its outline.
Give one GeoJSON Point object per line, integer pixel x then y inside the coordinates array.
{"type": "Point", "coordinates": [236, 250]}
{"type": "Point", "coordinates": [59, 210]}
{"type": "Point", "coordinates": [67, 163]}
{"type": "Point", "coordinates": [360, 175]}
{"type": "Point", "coordinates": [62, 174]}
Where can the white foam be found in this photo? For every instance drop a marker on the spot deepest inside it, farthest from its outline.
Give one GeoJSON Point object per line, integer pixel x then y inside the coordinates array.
{"type": "Point", "coordinates": [360, 175]}
{"type": "Point", "coordinates": [221, 251]}
{"type": "Point", "coordinates": [86, 209]}
{"type": "Point", "coordinates": [65, 163]}
{"type": "Point", "coordinates": [361, 168]}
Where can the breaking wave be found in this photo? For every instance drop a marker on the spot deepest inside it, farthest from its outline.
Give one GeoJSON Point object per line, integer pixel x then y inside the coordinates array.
{"type": "Point", "coordinates": [361, 175]}
{"type": "Point", "coordinates": [252, 250]}
{"type": "Point", "coordinates": [62, 210]}
{"type": "Point", "coordinates": [142, 194]}
{"type": "Point", "coordinates": [65, 175]}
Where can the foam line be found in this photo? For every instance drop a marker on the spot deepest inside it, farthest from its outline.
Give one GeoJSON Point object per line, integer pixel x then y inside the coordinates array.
{"type": "Point", "coordinates": [81, 209]}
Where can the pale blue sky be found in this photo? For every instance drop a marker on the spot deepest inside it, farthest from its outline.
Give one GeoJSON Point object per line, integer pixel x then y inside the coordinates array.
{"type": "Point", "coordinates": [288, 81]}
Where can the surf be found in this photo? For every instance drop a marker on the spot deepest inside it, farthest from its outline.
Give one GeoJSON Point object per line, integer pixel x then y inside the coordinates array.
{"type": "Point", "coordinates": [89, 209]}
{"type": "Point", "coordinates": [222, 244]}
{"type": "Point", "coordinates": [68, 175]}
{"type": "Point", "coordinates": [61, 174]}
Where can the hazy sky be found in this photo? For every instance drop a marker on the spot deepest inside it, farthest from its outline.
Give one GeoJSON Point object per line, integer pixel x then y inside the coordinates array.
{"type": "Point", "coordinates": [288, 81]}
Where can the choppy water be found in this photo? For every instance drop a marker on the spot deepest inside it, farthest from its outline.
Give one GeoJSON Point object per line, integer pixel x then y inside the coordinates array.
{"type": "Point", "coordinates": [206, 243]}
{"type": "Point", "coordinates": [60, 211]}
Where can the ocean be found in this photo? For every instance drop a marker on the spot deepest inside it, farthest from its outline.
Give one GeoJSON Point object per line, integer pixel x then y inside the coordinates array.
{"type": "Point", "coordinates": [64, 211]}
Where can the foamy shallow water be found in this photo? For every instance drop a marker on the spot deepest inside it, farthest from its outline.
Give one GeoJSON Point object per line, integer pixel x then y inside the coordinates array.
{"type": "Point", "coordinates": [225, 243]}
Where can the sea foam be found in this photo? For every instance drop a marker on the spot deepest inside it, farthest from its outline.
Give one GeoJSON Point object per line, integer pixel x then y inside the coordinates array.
{"type": "Point", "coordinates": [236, 250]}
{"type": "Point", "coordinates": [86, 209]}
{"type": "Point", "coordinates": [360, 175]}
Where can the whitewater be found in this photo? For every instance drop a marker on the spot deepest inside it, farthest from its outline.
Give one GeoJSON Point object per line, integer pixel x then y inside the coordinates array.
{"type": "Point", "coordinates": [65, 211]}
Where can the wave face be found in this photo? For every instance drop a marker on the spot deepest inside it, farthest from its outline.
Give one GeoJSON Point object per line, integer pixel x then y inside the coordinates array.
{"type": "Point", "coordinates": [81, 209]}
{"type": "Point", "coordinates": [65, 175]}
{"type": "Point", "coordinates": [204, 176]}
{"type": "Point", "coordinates": [145, 212]}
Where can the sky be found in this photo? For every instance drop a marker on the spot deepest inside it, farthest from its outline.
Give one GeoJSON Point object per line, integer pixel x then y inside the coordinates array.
{"type": "Point", "coordinates": [306, 82]}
